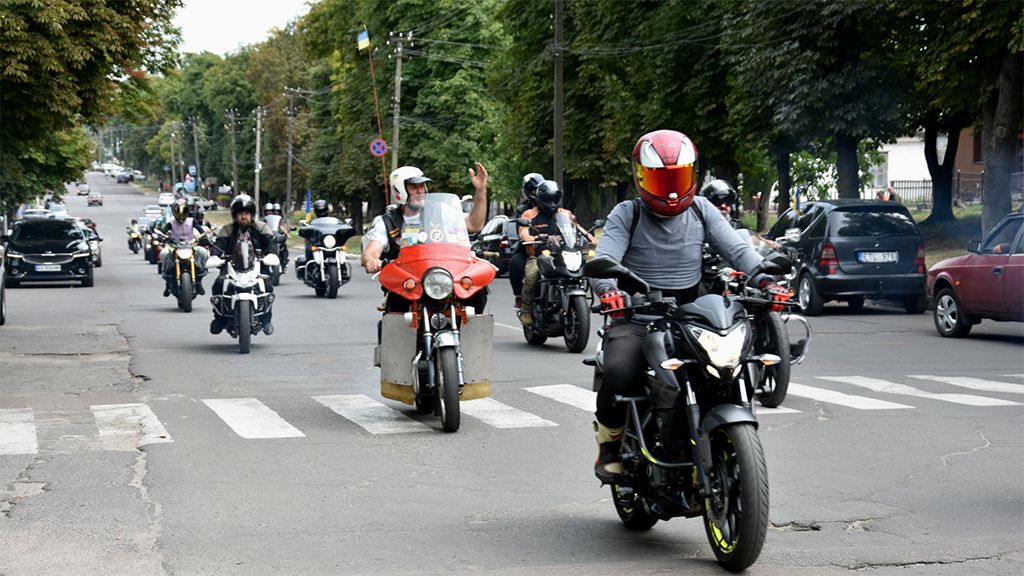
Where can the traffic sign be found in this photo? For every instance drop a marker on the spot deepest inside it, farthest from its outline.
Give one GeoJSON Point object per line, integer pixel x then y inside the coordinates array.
{"type": "Point", "coordinates": [192, 169]}
{"type": "Point", "coordinates": [378, 147]}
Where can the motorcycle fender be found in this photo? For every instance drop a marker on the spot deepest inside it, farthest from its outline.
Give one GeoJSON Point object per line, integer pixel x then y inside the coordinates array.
{"type": "Point", "coordinates": [567, 296]}
{"type": "Point", "coordinates": [726, 414]}
{"type": "Point", "coordinates": [245, 296]}
{"type": "Point", "coordinates": [446, 339]}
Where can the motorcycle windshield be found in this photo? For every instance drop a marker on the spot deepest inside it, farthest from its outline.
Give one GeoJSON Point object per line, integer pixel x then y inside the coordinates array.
{"type": "Point", "coordinates": [441, 221]}
{"type": "Point", "coordinates": [567, 229]}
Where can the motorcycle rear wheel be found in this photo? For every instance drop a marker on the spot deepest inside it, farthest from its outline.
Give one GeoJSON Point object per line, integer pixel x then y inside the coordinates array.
{"type": "Point", "coordinates": [736, 514]}
{"type": "Point", "coordinates": [577, 325]}
{"type": "Point", "coordinates": [243, 316]}
{"type": "Point", "coordinates": [332, 281]}
{"type": "Point", "coordinates": [630, 507]}
{"type": "Point", "coordinates": [185, 292]}
{"type": "Point", "coordinates": [448, 389]}
{"type": "Point", "coordinates": [771, 337]}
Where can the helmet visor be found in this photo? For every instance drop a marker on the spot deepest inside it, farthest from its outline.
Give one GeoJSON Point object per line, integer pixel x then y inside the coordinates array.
{"type": "Point", "coordinates": [664, 182]}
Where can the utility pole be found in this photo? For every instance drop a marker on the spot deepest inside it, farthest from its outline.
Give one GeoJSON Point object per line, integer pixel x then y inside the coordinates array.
{"type": "Point", "coordinates": [559, 96]}
{"type": "Point", "coordinates": [398, 95]}
{"type": "Point", "coordinates": [234, 155]}
{"type": "Point", "coordinates": [259, 166]}
{"type": "Point", "coordinates": [173, 180]}
{"type": "Point", "coordinates": [195, 141]}
{"type": "Point", "coordinates": [291, 114]}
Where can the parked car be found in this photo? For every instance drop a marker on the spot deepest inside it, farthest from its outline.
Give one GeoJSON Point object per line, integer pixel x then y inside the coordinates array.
{"type": "Point", "coordinates": [496, 242]}
{"type": "Point", "coordinates": [47, 250]}
{"type": "Point", "coordinates": [58, 210]}
{"type": "Point", "coordinates": [36, 213]}
{"type": "Point", "coordinates": [165, 199]}
{"type": "Point", "coordinates": [95, 198]}
{"type": "Point", "coordinates": [3, 285]}
{"type": "Point", "coordinates": [124, 177]}
{"type": "Point", "coordinates": [987, 282]}
{"type": "Point", "coordinates": [83, 189]}
{"type": "Point", "coordinates": [153, 212]}
{"type": "Point", "coordinates": [138, 175]}
{"type": "Point", "coordinates": [851, 250]}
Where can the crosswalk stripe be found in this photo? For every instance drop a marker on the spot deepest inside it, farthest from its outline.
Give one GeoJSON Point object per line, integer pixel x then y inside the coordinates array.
{"type": "Point", "coordinates": [499, 415]}
{"type": "Point", "coordinates": [761, 410]}
{"type": "Point", "coordinates": [371, 415]}
{"type": "Point", "coordinates": [974, 383]}
{"type": "Point", "coordinates": [17, 432]}
{"type": "Point", "coordinates": [568, 394]}
{"type": "Point", "coordinates": [250, 418]}
{"type": "Point", "coordinates": [894, 388]}
{"type": "Point", "coordinates": [125, 427]}
{"type": "Point", "coordinates": [1014, 375]}
{"type": "Point", "coordinates": [849, 400]}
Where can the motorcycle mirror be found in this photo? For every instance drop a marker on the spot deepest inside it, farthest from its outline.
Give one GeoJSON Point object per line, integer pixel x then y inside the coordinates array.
{"type": "Point", "coordinates": [608, 267]}
{"type": "Point", "coordinates": [522, 221]}
{"type": "Point", "coordinates": [790, 235]}
{"type": "Point", "coordinates": [599, 223]}
{"type": "Point", "coordinates": [271, 260]}
{"type": "Point", "coordinates": [214, 262]}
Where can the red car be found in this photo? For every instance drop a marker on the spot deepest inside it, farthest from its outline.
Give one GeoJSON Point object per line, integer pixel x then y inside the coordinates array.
{"type": "Point", "coordinates": [95, 198]}
{"type": "Point", "coordinates": [988, 282]}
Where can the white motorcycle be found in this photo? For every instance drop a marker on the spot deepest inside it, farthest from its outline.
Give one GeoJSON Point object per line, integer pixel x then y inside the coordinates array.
{"type": "Point", "coordinates": [244, 298]}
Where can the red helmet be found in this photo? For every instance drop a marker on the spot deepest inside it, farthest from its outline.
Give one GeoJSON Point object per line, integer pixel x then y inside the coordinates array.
{"type": "Point", "coordinates": [665, 171]}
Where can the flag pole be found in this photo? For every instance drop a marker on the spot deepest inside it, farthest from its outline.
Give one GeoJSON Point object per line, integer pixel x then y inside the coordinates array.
{"type": "Point", "coordinates": [376, 102]}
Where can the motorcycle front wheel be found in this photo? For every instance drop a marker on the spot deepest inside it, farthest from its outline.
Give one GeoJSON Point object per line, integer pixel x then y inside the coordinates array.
{"type": "Point", "coordinates": [448, 388]}
{"type": "Point", "coordinates": [332, 280]}
{"type": "Point", "coordinates": [736, 513]}
{"type": "Point", "coordinates": [243, 315]}
{"type": "Point", "coordinates": [577, 325]}
{"type": "Point", "coordinates": [771, 337]}
{"type": "Point", "coordinates": [185, 292]}
{"type": "Point", "coordinates": [275, 275]}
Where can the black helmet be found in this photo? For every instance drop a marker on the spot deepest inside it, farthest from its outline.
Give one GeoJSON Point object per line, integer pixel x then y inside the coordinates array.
{"type": "Point", "coordinates": [719, 192]}
{"type": "Point", "coordinates": [321, 208]}
{"type": "Point", "coordinates": [198, 216]}
{"type": "Point", "coordinates": [549, 196]}
{"type": "Point", "coordinates": [180, 209]}
{"type": "Point", "coordinates": [243, 202]}
{"type": "Point", "coordinates": [530, 183]}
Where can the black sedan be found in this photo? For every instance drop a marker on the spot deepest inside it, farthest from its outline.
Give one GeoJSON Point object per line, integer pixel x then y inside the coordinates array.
{"type": "Point", "coordinates": [497, 242]}
{"type": "Point", "coordinates": [47, 251]}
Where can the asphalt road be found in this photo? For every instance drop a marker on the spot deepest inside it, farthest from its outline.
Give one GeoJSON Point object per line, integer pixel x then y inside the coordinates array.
{"type": "Point", "coordinates": [134, 442]}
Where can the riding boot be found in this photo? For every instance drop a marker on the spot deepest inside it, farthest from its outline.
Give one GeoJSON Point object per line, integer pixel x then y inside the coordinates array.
{"type": "Point", "coordinates": [607, 467]}
{"type": "Point", "coordinates": [199, 286]}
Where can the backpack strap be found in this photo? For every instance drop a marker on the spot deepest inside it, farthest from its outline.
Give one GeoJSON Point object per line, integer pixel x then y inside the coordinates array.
{"type": "Point", "coordinates": [638, 205]}
{"type": "Point", "coordinates": [393, 221]}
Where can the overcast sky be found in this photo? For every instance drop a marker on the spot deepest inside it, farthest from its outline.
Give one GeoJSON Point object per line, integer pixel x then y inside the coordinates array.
{"type": "Point", "coordinates": [220, 26]}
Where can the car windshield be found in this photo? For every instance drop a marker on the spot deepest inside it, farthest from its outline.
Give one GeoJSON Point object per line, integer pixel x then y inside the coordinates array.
{"type": "Point", "coordinates": [441, 221]}
{"type": "Point", "coordinates": [153, 208]}
{"type": "Point", "coordinates": [871, 222]}
{"type": "Point", "coordinates": [46, 231]}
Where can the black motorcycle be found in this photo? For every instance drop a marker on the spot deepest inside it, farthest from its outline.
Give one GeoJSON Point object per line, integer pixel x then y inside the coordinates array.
{"type": "Point", "coordinates": [326, 269]}
{"type": "Point", "coordinates": [690, 446]}
{"type": "Point", "coordinates": [275, 272]}
{"type": "Point", "coordinates": [244, 298]}
{"type": "Point", "coordinates": [560, 302]}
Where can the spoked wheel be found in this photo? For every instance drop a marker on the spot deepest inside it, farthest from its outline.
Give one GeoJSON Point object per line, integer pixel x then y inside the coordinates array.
{"type": "Point", "coordinates": [577, 325]}
{"type": "Point", "coordinates": [736, 513]}
{"type": "Point", "coordinates": [631, 509]}
{"type": "Point", "coordinates": [332, 281]}
{"type": "Point", "coordinates": [185, 292]}
{"type": "Point", "coordinates": [771, 338]}
{"type": "Point", "coordinates": [448, 389]}
{"type": "Point", "coordinates": [243, 315]}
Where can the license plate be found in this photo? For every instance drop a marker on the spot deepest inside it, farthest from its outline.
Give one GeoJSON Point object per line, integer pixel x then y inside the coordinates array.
{"type": "Point", "coordinates": [878, 257]}
{"type": "Point", "coordinates": [47, 267]}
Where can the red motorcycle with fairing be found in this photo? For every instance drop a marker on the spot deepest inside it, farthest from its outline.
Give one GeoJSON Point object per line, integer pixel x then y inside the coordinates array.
{"type": "Point", "coordinates": [439, 352]}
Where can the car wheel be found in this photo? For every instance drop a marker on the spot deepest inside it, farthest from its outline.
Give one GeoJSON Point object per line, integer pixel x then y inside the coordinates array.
{"type": "Point", "coordinates": [87, 281]}
{"type": "Point", "coordinates": [950, 319]}
{"type": "Point", "coordinates": [807, 296]}
{"type": "Point", "coordinates": [915, 304]}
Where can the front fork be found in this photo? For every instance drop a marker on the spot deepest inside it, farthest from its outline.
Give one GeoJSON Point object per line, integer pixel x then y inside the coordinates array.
{"type": "Point", "coordinates": [428, 345]}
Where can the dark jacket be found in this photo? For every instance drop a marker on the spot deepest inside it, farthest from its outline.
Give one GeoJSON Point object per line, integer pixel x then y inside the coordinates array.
{"type": "Point", "coordinates": [259, 232]}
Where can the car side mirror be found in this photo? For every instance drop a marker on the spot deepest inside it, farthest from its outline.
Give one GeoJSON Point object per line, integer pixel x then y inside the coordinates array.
{"type": "Point", "coordinates": [608, 267]}
{"type": "Point", "coordinates": [790, 235]}
{"type": "Point", "coordinates": [599, 223]}
{"type": "Point", "coordinates": [974, 246]}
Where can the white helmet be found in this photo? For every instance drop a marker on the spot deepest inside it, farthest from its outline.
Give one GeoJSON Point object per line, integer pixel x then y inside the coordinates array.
{"type": "Point", "coordinates": [402, 176]}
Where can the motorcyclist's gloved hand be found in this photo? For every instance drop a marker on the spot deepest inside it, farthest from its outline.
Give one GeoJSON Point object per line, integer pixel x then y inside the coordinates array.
{"type": "Point", "coordinates": [776, 293]}
{"type": "Point", "coordinates": [613, 299]}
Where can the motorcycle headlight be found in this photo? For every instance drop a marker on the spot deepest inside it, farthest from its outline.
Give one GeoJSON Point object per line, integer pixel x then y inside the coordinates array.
{"type": "Point", "coordinates": [573, 260]}
{"type": "Point", "coordinates": [329, 242]}
{"type": "Point", "coordinates": [247, 279]}
{"type": "Point", "coordinates": [184, 253]}
{"type": "Point", "coordinates": [722, 351]}
{"type": "Point", "coordinates": [438, 284]}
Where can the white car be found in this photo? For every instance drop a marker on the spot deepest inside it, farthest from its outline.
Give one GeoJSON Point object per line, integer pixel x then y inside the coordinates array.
{"type": "Point", "coordinates": [154, 212]}
{"type": "Point", "coordinates": [36, 213]}
{"type": "Point", "coordinates": [139, 176]}
{"type": "Point", "coordinates": [165, 199]}
{"type": "Point", "coordinates": [58, 210]}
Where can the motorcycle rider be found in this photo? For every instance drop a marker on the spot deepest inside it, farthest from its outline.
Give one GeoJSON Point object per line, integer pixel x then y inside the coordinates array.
{"type": "Point", "coordinates": [659, 237]}
{"type": "Point", "coordinates": [548, 201]}
{"type": "Point", "coordinates": [182, 228]}
{"type": "Point", "coordinates": [272, 216]}
{"type": "Point", "coordinates": [133, 228]}
{"type": "Point", "coordinates": [243, 221]}
{"type": "Point", "coordinates": [322, 211]}
{"type": "Point", "coordinates": [517, 265]}
{"type": "Point", "coordinates": [408, 193]}
{"type": "Point", "coordinates": [723, 196]}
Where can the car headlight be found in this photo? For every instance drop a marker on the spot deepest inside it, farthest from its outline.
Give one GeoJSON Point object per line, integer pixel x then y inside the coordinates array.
{"type": "Point", "coordinates": [329, 241]}
{"type": "Point", "coordinates": [438, 284]}
{"type": "Point", "coordinates": [722, 351]}
{"type": "Point", "coordinates": [573, 260]}
{"type": "Point", "coordinates": [82, 254]}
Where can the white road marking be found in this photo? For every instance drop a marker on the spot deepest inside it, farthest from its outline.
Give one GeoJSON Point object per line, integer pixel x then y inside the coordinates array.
{"type": "Point", "coordinates": [849, 400]}
{"type": "Point", "coordinates": [1014, 375]}
{"type": "Point", "coordinates": [17, 432]}
{"type": "Point", "coordinates": [499, 415]}
{"type": "Point", "coordinates": [509, 326]}
{"type": "Point", "coordinates": [125, 427]}
{"type": "Point", "coordinates": [250, 418]}
{"type": "Point", "coordinates": [568, 394]}
{"type": "Point", "coordinates": [894, 388]}
{"type": "Point", "coordinates": [761, 410]}
{"type": "Point", "coordinates": [975, 383]}
{"type": "Point", "coordinates": [371, 415]}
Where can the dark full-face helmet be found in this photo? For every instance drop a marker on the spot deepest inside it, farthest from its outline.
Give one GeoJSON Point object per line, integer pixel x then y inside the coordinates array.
{"type": "Point", "coordinates": [321, 208]}
{"type": "Point", "coordinates": [549, 196]}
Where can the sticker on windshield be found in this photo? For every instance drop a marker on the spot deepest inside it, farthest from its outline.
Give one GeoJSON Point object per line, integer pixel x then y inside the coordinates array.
{"type": "Point", "coordinates": [436, 235]}
{"type": "Point", "coordinates": [461, 236]}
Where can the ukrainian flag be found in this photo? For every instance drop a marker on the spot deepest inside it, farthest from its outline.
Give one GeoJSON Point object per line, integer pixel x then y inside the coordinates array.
{"type": "Point", "coordinates": [363, 39]}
